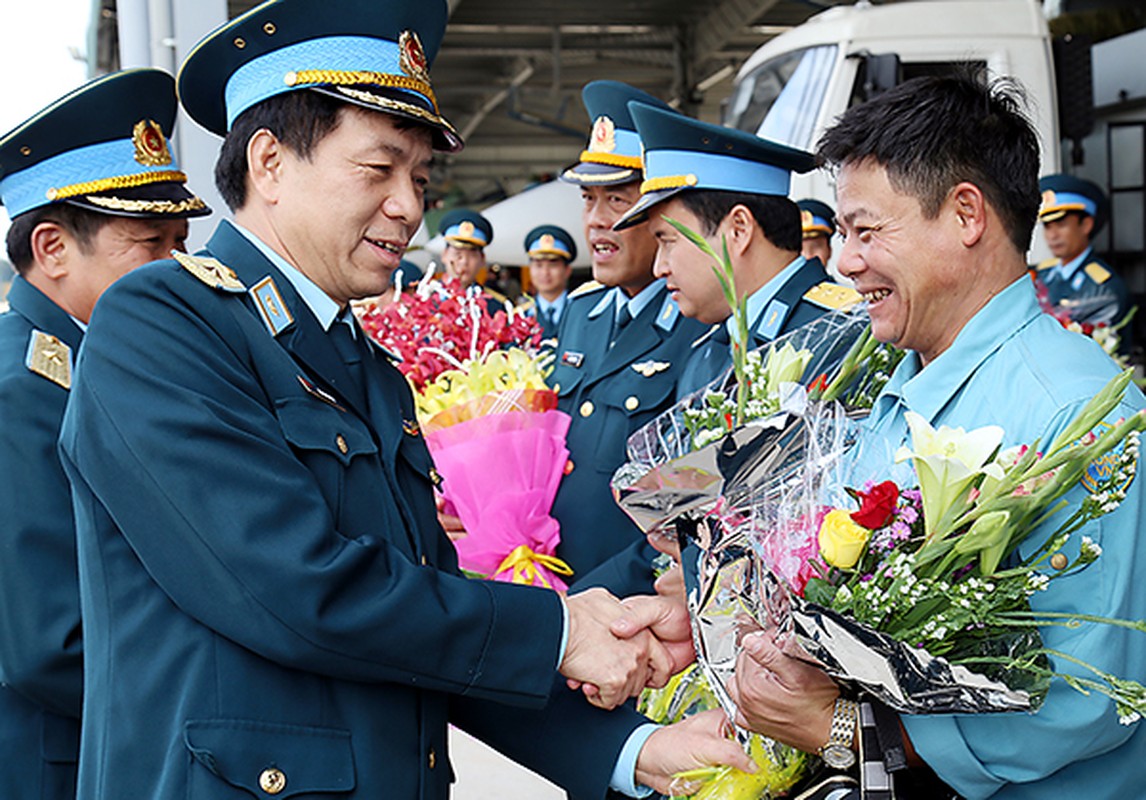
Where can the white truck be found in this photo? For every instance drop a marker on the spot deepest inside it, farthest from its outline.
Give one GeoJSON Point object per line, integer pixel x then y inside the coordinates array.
{"type": "Point", "coordinates": [795, 85]}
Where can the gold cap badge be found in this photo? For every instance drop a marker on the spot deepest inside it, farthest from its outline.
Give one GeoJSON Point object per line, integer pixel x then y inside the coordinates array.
{"type": "Point", "coordinates": [466, 229]}
{"type": "Point", "coordinates": [806, 219]}
{"type": "Point", "coordinates": [412, 57]}
{"type": "Point", "coordinates": [1049, 199]}
{"type": "Point", "coordinates": [548, 242]}
{"type": "Point", "coordinates": [603, 138]}
{"type": "Point", "coordinates": [150, 145]}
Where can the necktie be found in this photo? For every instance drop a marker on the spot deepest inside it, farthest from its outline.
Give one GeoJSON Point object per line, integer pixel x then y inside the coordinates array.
{"type": "Point", "coordinates": [347, 347]}
{"type": "Point", "coordinates": [623, 318]}
{"type": "Point", "coordinates": [547, 320]}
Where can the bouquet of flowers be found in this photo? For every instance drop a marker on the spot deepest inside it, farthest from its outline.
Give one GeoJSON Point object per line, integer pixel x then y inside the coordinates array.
{"type": "Point", "coordinates": [491, 424]}
{"type": "Point", "coordinates": [1106, 334]}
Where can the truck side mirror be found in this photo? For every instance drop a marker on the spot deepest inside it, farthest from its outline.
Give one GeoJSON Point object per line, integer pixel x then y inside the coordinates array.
{"type": "Point", "coordinates": [1075, 86]}
{"type": "Point", "coordinates": [881, 71]}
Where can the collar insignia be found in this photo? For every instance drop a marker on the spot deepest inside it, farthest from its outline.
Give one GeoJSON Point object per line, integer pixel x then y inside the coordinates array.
{"type": "Point", "coordinates": [49, 358]}
{"type": "Point", "coordinates": [150, 146]}
{"type": "Point", "coordinates": [272, 309]}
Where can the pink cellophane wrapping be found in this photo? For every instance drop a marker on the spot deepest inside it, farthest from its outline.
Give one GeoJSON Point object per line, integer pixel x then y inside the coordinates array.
{"type": "Point", "coordinates": [501, 472]}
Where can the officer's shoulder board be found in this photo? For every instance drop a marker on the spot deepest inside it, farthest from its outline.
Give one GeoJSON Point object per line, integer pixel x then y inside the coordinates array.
{"type": "Point", "coordinates": [498, 296]}
{"type": "Point", "coordinates": [832, 296]}
{"type": "Point", "coordinates": [211, 271]}
{"type": "Point", "coordinates": [526, 305]}
{"type": "Point", "coordinates": [1096, 272]}
{"type": "Point", "coordinates": [586, 288]}
{"type": "Point", "coordinates": [50, 358]}
{"type": "Point", "coordinates": [1047, 263]}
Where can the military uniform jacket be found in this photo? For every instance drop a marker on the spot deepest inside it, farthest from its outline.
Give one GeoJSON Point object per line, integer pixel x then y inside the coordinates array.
{"type": "Point", "coordinates": [270, 606]}
{"type": "Point", "coordinates": [1092, 292]}
{"type": "Point", "coordinates": [610, 393]}
{"type": "Point", "coordinates": [41, 654]}
{"type": "Point", "coordinates": [793, 305]}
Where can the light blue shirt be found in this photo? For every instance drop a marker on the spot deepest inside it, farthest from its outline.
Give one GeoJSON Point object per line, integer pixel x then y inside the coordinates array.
{"type": "Point", "coordinates": [616, 299]}
{"type": "Point", "coordinates": [1064, 271]}
{"type": "Point", "coordinates": [1013, 366]}
{"type": "Point", "coordinates": [327, 311]}
{"type": "Point", "coordinates": [557, 307]}
{"type": "Point", "coordinates": [760, 299]}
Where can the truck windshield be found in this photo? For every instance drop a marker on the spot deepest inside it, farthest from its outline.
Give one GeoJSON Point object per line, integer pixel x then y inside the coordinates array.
{"type": "Point", "coordinates": [780, 99]}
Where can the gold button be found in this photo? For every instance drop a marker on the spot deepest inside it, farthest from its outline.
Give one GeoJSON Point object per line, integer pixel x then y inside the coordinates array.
{"type": "Point", "coordinates": [272, 781]}
{"type": "Point", "coordinates": [340, 440]}
{"type": "Point", "coordinates": [1059, 561]}
{"type": "Point", "coordinates": [425, 560]}
{"type": "Point", "coordinates": [632, 402]}
{"type": "Point", "coordinates": [269, 29]}
{"type": "Point", "coordinates": [587, 408]}
{"type": "Point", "coordinates": [240, 42]}
{"type": "Point", "coordinates": [25, 150]}
{"type": "Point", "coordinates": [433, 759]}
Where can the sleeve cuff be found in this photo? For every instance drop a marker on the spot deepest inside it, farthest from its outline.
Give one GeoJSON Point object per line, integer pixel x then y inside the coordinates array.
{"type": "Point", "coordinates": [564, 631]}
{"type": "Point", "coordinates": [624, 778]}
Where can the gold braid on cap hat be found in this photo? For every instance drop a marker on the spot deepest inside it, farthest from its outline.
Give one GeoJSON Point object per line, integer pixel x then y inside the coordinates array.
{"type": "Point", "coordinates": [385, 80]}
{"type": "Point", "coordinates": [118, 182]}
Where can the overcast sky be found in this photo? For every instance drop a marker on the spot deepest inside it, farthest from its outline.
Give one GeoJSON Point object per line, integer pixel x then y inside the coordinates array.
{"type": "Point", "coordinates": [37, 64]}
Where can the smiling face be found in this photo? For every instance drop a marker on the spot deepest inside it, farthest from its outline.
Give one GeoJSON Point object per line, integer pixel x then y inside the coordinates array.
{"type": "Point", "coordinates": [911, 270]}
{"type": "Point", "coordinates": [345, 214]}
{"type": "Point", "coordinates": [687, 271]}
{"type": "Point", "coordinates": [620, 258]}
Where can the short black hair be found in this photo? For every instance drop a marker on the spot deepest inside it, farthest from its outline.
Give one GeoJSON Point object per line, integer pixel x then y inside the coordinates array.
{"type": "Point", "coordinates": [778, 217]}
{"type": "Point", "coordinates": [300, 120]}
{"type": "Point", "coordinates": [81, 223]}
{"type": "Point", "coordinates": [934, 132]}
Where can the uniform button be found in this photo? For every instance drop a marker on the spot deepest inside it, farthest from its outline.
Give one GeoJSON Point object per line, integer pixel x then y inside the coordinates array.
{"type": "Point", "coordinates": [425, 560]}
{"type": "Point", "coordinates": [632, 402]}
{"type": "Point", "coordinates": [340, 440]}
{"type": "Point", "coordinates": [272, 781]}
{"type": "Point", "coordinates": [433, 758]}
{"type": "Point", "coordinates": [587, 408]}
{"type": "Point", "coordinates": [568, 466]}
{"type": "Point", "coordinates": [1059, 561]}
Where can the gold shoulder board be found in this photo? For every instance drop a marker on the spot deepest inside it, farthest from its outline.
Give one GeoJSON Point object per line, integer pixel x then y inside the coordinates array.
{"type": "Point", "coordinates": [1047, 263]}
{"type": "Point", "coordinates": [585, 288]}
{"type": "Point", "coordinates": [211, 271]}
{"type": "Point", "coordinates": [50, 358]}
{"type": "Point", "coordinates": [1097, 272]}
{"type": "Point", "coordinates": [832, 296]}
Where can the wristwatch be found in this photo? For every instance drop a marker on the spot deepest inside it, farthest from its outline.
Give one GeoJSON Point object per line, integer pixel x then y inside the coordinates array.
{"type": "Point", "coordinates": [837, 751]}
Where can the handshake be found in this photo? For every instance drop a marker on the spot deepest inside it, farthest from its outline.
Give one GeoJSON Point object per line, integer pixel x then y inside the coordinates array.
{"type": "Point", "coordinates": [617, 648]}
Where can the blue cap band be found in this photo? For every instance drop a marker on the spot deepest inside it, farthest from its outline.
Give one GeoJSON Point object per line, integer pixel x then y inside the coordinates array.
{"type": "Point", "coordinates": [1072, 202]}
{"type": "Point", "coordinates": [559, 247]}
{"type": "Point", "coordinates": [265, 76]}
{"type": "Point", "coordinates": [29, 188]}
{"type": "Point", "coordinates": [628, 143]}
{"type": "Point", "coordinates": [475, 236]}
{"type": "Point", "coordinates": [718, 172]}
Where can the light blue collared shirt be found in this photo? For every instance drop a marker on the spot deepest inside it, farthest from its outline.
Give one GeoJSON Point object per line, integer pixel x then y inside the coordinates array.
{"type": "Point", "coordinates": [616, 299]}
{"type": "Point", "coordinates": [760, 299]}
{"type": "Point", "coordinates": [557, 307]}
{"type": "Point", "coordinates": [1013, 366]}
{"type": "Point", "coordinates": [1064, 271]}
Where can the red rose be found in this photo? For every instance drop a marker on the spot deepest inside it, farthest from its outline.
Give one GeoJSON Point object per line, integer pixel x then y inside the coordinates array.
{"type": "Point", "coordinates": [877, 506]}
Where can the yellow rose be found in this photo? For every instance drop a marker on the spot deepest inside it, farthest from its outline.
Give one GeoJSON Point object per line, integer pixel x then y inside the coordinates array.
{"type": "Point", "coordinates": [842, 539]}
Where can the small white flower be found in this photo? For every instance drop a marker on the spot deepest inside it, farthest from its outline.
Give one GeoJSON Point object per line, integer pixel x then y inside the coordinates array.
{"type": "Point", "coordinates": [1090, 548]}
{"type": "Point", "coordinates": [1129, 719]}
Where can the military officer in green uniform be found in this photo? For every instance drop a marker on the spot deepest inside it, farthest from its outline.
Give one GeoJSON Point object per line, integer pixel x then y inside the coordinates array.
{"type": "Point", "coordinates": [730, 187]}
{"type": "Point", "coordinates": [467, 233]}
{"type": "Point", "coordinates": [551, 251]}
{"type": "Point", "coordinates": [93, 191]}
{"type": "Point", "coordinates": [1078, 282]}
{"type": "Point", "coordinates": [270, 606]}
{"type": "Point", "coordinates": [817, 223]}
{"type": "Point", "coordinates": [622, 344]}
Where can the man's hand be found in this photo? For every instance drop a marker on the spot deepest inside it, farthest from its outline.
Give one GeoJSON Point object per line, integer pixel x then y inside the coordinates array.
{"type": "Point", "coordinates": [782, 696]}
{"type": "Point", "coordinates": [451, 524]}
{"type": "Point", "coordinates": [610, 668]}
{"type": "Point", "coordinates": [667, 618]}
{"type": "Point", "coordinates": [697, 741]}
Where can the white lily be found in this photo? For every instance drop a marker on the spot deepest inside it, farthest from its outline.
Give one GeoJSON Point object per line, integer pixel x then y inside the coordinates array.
{"type": "Point", "coordinates": [785, 365]}
{"type": "Point", "coordinates": [947, 461]}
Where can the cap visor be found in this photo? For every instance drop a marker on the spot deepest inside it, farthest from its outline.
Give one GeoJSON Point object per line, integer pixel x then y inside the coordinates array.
{"type": "Point", "coordinates": [639, 212]}
{"type": "Point", "coordinates": [586, 173]}
{"type": "Point", "coordinates": [446, 138]}
{"type": "Point", "coordinates": [167, 200]}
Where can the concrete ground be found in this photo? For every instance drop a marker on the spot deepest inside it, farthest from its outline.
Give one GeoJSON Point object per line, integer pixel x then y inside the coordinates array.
{"type": "Point", "coordinates": [483, 774]}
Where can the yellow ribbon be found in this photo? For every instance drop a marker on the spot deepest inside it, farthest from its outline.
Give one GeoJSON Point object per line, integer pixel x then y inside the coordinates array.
{"type": "Point", "coordinates": [525, 562]}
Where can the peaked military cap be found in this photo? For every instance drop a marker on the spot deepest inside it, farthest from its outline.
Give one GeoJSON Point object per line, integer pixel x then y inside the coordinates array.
{"type": "Point", "coordinates": [682, 153]}
{"type": "Point", "coordinates": [613, 154]}
{"type": "Point", "coordinates": [1065, 193]}
{"type": "Point", "coordinates": [372, 54]}
{"type": "Point", "coordinates": [102, 147]}
{"type": "Point", "coordinates": [816, 218]}
{"type": "Point", "coordinates": [466, 229]}
{"type": "Point", "coordinates": [550, 242]}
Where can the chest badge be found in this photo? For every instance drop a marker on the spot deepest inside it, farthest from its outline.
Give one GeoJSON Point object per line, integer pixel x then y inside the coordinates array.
{"type": "Point", "coordinates": [573, 359]}
{"type": "Point", "coordinates": [648, 369]}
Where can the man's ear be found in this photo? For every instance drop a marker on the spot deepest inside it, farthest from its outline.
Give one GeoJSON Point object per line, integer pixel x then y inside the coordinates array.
{"type": "Point", "coordinates": [739, 227]}
{"type": "Point", "coordinates": [52, 246]}
{"type": "Point", "coordinates": [970, 209]}
{"type": "Point", "coordinates": [266, 157]}
{"type": "Point", "coordinates": [1087, 225]}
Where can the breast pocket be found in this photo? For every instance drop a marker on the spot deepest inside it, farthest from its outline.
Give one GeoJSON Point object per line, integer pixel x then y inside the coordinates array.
{"type": "Point", "coordinates": [628, 403]}
{"type": "Point", "coordinates": [245, 758]}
